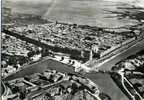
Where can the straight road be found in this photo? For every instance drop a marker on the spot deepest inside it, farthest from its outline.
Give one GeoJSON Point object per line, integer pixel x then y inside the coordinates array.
{"type": "Point", "coordinates": [107, 65]}
{"type": "Point", "coordinates": [104, 81]}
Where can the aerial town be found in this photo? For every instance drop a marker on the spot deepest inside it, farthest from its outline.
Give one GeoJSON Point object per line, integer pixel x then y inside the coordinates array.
{"type": "Point", "coordinates": [45, 57]}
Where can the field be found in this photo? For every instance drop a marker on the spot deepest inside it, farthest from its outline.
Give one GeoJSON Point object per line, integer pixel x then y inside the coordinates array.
{"type": "Point", "coordinates": [87, 12]}
{"type": "Point", "coordinates": [104, 81]}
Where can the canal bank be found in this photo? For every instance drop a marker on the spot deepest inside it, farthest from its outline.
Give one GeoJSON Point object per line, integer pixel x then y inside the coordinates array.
{"type": "Point", "coordinates": [104, 81]}
{"type": "Point", "coordinates": [106, 84]}
{"type": "Point", "coordinates": [108, 64]}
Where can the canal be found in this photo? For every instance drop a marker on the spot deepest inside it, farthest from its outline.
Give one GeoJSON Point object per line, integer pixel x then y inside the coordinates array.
{"type": "Point", "coordinates": [104, 81]}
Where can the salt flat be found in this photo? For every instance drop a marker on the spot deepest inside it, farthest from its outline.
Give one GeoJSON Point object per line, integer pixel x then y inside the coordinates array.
{"type": "Point", "coordinates": [89, 12]}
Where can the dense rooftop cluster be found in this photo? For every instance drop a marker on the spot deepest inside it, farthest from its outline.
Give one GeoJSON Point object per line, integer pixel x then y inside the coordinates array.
{"type": "Point", "coordinates": [72, 36]}
{"type": "Point", "coordinates": [53, 85]}
{"type": "Point", "coordinates": [16, 53]}
{"type": "Point", "coordinates": [14, 46]}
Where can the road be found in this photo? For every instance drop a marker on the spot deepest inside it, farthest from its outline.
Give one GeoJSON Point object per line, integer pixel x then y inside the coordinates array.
{"type": "Point", "coordinates": [124, 54]}
{"type": "Point", "coordinates": [3, 88]}
{"type": "Point", "coordinates": [104, 81]}
{"type": "Point", "coordinates": [124, 80]}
